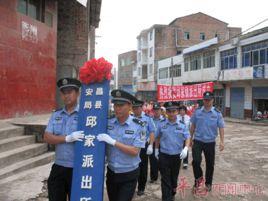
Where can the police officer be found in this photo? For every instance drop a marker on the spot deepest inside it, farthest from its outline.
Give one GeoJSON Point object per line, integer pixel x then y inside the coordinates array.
{"type": "Point", "coordinates": [186, 120]}
{"type": "Point", "coordinates": [62, 132]}
{"type": "Point", "coordinates": [148, 150]}
{"type": "Point", "coordinates": [171, 133]}
{"type": "Point", "coordinates": [157, 117]}
{"type": "Point", "coordinates": [125, 138]}
{"type": "Point", "coordinates": [205, 122]}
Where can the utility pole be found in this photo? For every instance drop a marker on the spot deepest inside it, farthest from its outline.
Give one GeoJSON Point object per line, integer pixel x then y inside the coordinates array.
{"type": "Point", "coordinates": [172, 78]}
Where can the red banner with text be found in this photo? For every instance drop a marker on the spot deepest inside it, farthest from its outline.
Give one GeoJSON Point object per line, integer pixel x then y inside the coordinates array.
{"type": "Point", "coordinates": [182, 92]}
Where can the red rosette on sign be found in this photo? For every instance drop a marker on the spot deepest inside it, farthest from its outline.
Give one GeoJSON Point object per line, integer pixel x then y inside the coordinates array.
{"type": "Point", "coordinates": [95, 70]}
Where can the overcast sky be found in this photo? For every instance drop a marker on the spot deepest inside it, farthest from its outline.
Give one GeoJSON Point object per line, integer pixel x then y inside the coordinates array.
{"type": "Point", "coordinates": [123, 20]}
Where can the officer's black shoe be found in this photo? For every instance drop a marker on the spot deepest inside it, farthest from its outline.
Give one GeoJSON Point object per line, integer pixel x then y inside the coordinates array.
{"type": "Point", "coordinates": [140, 193]}
{"type": "Point", "coordinates": [185, 166]}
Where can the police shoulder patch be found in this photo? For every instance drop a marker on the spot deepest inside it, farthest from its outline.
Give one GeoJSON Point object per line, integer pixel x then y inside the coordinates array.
{"type": "Point", "coordinates": [164, 119]}
{"type": "Point", "coordinates": [56, 110]}
{"type": "Point", "coordinates": [138, 121]}
{"type": "Point", "coordinates": [217, 110]}
{"type": "Point", "coordinates": [111, 116]}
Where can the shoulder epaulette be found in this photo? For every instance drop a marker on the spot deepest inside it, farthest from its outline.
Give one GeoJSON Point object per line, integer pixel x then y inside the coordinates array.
{"type": "Point", "coordinates": [182, 122]}
{"type": "Point", "coordinates": [138, 121]}
{"type": "Point", "coordinates": [217, 110]}
{"type": "Point", "coordinates": [111, 116]}
{"type": "Point", "coordinates": [57, 110]}
{"type": "Point", "coordinates": [164, 119]}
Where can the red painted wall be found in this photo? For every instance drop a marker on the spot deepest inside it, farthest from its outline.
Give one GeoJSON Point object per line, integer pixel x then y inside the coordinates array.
{"type": "Point", "coordinates": [27, 63]}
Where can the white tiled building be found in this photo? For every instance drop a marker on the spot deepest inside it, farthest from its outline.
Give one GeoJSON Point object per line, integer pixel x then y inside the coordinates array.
{"type": "Point", "coordinates": [238, 68]}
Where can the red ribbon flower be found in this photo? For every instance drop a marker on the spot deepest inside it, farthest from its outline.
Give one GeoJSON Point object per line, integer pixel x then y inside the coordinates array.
{"type": "Point", "coordinates": [95, 70]}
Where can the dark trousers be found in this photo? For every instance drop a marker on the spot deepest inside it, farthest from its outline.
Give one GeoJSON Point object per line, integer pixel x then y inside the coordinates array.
{"type": "Point", "coordinates": [59, 183]}
{"type": "Point", "coordinates": [121, 186]}
{"type": "Point", "coordinates": [143, 168]}
{"type": "Point", "coordinates": [185, 161]}
{"type": "Point", "coordinates": [209, 152]}
{"type": "Point", "coordinates": [169, 166]}
{"type": "Point", "coordinates": [153, 165]}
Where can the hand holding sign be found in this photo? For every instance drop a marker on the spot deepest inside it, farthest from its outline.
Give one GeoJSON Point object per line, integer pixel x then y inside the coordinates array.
{"type": "Point", "coordinates": [103, 137]}
{"type": "Point", "coordinates": [75, 136]}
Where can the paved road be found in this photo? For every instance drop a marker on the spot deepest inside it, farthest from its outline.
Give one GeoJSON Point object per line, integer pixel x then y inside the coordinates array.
{"type": "Point", "coordinates": [241, 172]}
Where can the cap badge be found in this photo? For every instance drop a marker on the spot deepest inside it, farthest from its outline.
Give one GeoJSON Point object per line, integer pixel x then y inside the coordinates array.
{"type": "Point", "coordinates": [64, 81]}
{"type": "Point", "coordinates": [118, 94]}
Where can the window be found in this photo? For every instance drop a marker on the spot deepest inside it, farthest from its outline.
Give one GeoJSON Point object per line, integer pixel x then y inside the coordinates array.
{"type": "Point", "coordinates": [187, 35]}
{"type": "Point", "coordinates": [163, 73]}
{"type": "Point", "coordinates": [186, 64]}
{"type": "Point", "coordinates": [229, 59]}
{"type": "Point", "coordinates": [209, 59]}
{"type": "Point", "coordinates": [175, 71]}
{"type": "Point", "coordinates": [202, 36]}
{"type": "Point", "coordinates": [139, 56]}
{"type": "Point", "coordinates": [195, 62]}
{"type": "Point", "coordinates": [122, 62]}
{"type": "Point", "coordinates": [22, 6]}
{"type": "Point", "coordinates": [139, 71]}
{"type": "Point", "coordinates": [255, 54]}
{"type": "Point", "coordinates": [144, 72]}
{"type": "Point", "coordinates": [151, 69]}
{"type": "Point", "coordinates": [32, 8]}
{"type": "Point", "coordinates": [151, 52]}
{"type": "Point", "coordinates": [49, 19]}
{"type": "Point", "coordinates": [151, 35]}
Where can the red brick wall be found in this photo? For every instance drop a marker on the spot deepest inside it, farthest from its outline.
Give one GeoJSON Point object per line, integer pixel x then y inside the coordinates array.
{"type": "Point", "coordinates": [27, 63]}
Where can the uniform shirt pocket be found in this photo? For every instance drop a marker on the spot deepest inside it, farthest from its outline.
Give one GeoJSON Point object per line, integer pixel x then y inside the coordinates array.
{"type": "Point", "coordinates": [128, 139]}
{"type": "Point", "coordinates": [57, 127]}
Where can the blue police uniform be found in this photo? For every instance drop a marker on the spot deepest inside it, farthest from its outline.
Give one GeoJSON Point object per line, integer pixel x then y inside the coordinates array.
{"type": "Point", "coordinates": [171, 136]}
{"type": "Point", "coordinates": [206, 130]}
{"type": "Point", "coordinates": [207, 124]}
{"type": "Point", "coordinates": [149, 124]}
{"type": "Point", "coordinates": [157, 122]}
{"type": "Point", "coordinates": [153, 160]}
{"type": "Point", "coordinates": [149, 128]}
{"type": "Point", "coordinates": [130, 133]}
{"type": "Point", "coordinates": [62, 123]}
{"type": "Point", "coordinates": [123, 168]}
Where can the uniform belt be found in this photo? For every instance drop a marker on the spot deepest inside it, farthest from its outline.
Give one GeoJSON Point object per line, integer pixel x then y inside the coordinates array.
{"type": "Point", "coordinates": [122, 177]}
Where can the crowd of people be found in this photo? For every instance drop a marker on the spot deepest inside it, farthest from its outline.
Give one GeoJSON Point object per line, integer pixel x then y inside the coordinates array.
{"type": "Point", "coordinates": [137, 134]}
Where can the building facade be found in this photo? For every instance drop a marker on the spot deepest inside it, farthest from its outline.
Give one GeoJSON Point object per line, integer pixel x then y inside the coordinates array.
{"type": "Point", "coordinates": [238, 68]}
{"type": "Point", "coordinates": [40, 42]}
{"type": "Point", "coordinates": [163, 41]}
{"type": "Point", "coordinates": [127, 63]}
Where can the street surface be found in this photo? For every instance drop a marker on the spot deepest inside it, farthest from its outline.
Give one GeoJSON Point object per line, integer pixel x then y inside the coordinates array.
{"type": "Point", "coordinates": [241, 173]}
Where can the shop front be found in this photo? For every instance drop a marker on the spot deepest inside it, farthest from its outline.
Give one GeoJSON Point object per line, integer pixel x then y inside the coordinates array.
{"type": "Point", "coordinates": [260, 103]}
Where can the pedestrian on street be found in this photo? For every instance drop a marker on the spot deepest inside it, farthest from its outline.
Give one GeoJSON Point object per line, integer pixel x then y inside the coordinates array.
{"type": "Point", "coordinates": [205, 123]}
{"type": "Point", "coordinates": [186, 120]}
{"type": "Point", "coordinates": [157, 117]}
{"type": "Point", "coordinates": [61, 131]}
{"type": "Point", "coordinates": [148, 149]}
{"type": "Point", "coordinates": [171, 134]}
{"type": "Point", "coordinates": [125, 138]}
